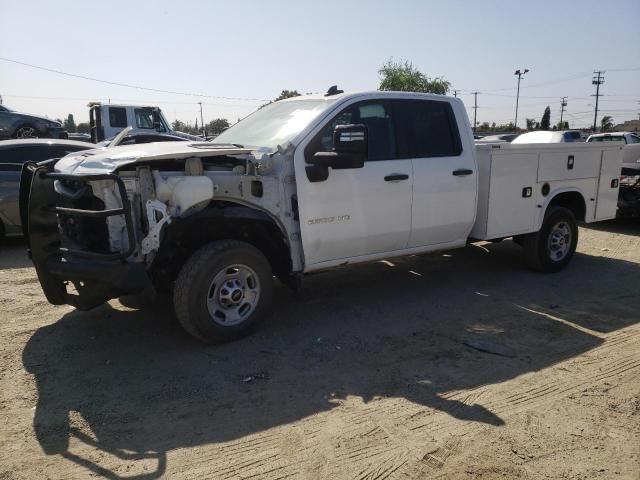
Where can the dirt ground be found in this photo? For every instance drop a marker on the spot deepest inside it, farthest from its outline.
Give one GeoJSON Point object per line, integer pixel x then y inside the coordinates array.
{"type": "Point", "coordinates": [458, 366]}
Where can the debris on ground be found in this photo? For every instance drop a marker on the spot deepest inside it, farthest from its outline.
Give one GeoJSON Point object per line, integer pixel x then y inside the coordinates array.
{"type": "Point", "coordinates": [255, 376]}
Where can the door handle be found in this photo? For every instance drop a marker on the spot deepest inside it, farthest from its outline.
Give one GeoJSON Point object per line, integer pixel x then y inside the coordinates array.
{"type": "Point", "coordinates": [395, 177]}
{"type": "Point", "coordinates": [462, 172]}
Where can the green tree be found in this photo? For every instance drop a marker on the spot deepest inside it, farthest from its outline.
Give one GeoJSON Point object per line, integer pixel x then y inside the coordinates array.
{"type": "Point", "coordinates": [564, 125]}
{"type": "Point", "coordinates": [545, 122]}
{"type": "Point", "coordinates": [82, 128]}
{"type": "Point", "coordinates": [217, 126]}
{"type": "Point", "coordinates": [505, 127]}
{"type": "Point", "coordinates": [178, 126]}
{"type": "Point", "coordinates": [287, 94]}
{"type": "Point", "coordinates": [402, 76]}
{"type": "Point", "coordinates": [606, 123]}
{"type": "Point", "coordinates": [283, 94]}
{"type": "Point", "coordinates": [70, 124]}
{"type": "Point", "coordinates": [531, 123]}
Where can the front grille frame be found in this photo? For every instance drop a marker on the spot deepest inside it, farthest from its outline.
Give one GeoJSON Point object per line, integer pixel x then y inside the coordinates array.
{"type": "Point", "coordinates": [125, 210]}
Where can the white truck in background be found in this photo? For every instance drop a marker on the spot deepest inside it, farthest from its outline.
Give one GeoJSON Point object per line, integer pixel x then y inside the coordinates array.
{"type": "Point", "coordinates": [106, 121]}
{"type": "Point", "coordinates": [301, 185]}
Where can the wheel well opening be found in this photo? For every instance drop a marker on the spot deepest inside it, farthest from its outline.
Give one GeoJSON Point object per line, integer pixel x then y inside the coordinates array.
{"type": "Point", "coordinates": [222, 221]}
{"type": "Point", "coordinates": [571, 200]}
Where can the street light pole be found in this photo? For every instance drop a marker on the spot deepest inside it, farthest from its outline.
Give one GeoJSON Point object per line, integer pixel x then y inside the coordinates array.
{"type": "Point", "coordinates": [475, 110]}
{"type": "Point", "coordinates": [519, 74]}
{"type": "Point", "coordinates": [202, 120]}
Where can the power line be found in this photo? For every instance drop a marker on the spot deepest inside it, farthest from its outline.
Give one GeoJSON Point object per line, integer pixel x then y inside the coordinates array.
{"type": "Point", "coordinates": [550, 82]}
{"type": "Point", "coordinates": [138, 87]}
{"type": "Point", "coordinates": [87, 99]}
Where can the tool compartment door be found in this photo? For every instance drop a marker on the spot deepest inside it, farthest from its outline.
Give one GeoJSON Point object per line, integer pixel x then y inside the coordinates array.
{"type": "Point", "coordinates": [512, 207]}
{"type": "Point", "coordinates": [569, 164]}
{"type": "Point", "coordinates": [608, 185]}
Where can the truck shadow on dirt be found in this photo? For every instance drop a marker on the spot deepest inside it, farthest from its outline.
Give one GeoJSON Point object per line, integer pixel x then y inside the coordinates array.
{"type": "Point", "coordinates": [414, 328]}
{"type": "Point", "coordinates": [626, 226]}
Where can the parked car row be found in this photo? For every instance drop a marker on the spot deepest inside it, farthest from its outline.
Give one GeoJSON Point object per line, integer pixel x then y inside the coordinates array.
{"type": "Point", "coordinates": [563, 136]}
{"type": "Point", "coordinates": [14, 153]}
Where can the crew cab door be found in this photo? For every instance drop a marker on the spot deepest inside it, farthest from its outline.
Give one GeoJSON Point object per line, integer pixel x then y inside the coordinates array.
{"type": "Point", "coordinates": [444, 173]}
{"type": "Point", "coordinates": [358, 211]}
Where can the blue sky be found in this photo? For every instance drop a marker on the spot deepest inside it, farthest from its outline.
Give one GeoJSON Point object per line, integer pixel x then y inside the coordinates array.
{"type": "Point", "coordinates": [254, 49]}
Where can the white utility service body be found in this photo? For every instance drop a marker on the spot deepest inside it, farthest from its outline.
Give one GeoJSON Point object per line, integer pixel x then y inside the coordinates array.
{"type": "Point", "coordinates": [505, 208]}
{"type": "Point", "coordinates": [301, 185]}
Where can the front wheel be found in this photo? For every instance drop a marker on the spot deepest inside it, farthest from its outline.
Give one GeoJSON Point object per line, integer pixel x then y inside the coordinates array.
{"type": "Point", "coordinates": [552, 247]}
{"type": "Point", "coordinates": [26, 131]}
{"type": "Point", "coordinates": [222, 291]}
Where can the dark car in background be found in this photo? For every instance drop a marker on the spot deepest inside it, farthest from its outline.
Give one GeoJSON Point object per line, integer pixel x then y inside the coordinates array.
{"type": "Point", "coordinates": [24, 125]}
{"type": "Point", "coordinates": [13, 154]}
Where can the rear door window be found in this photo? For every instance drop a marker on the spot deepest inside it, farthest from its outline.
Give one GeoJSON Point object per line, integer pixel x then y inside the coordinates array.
{"type": "Point", "coordinates": [426, 128]}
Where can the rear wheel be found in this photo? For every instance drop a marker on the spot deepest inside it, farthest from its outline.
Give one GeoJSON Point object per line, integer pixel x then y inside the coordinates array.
{"type": "Point", "coordinates": [26, 131]}
{"type": "Point", "coordinates": [222, 291]}
{"type": "Point", "coordinates": [552, 247]}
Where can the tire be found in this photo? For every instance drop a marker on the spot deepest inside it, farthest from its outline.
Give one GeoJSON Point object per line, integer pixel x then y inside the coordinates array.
{"type": "Point", "coordinates": [552, 247]}
{"type": "Point", "coordinates": [222, 291]}
{"type": "Point", "coordinates": [26, 131]}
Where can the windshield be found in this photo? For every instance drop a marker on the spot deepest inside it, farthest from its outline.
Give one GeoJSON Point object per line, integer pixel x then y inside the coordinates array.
{"type": "Point", "coordinates": [273, 125]}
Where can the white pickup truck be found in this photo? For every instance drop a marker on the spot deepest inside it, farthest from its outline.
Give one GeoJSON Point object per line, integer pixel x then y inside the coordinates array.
{"type": "Point", "coordinates": [301, 185]}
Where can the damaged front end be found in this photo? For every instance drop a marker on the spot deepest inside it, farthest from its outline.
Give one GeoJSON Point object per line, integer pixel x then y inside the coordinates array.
{"type": "Point", "coordinates": [103, 224]}
{"type": "Point", "coordinates": [67, 227]}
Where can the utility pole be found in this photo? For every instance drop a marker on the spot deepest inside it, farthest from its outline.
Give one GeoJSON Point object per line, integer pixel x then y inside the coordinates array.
{"type": "Point", "coordinates": [202, 120]}
{"type": "Point", "coordinates": [455, 93]}
{"type": "Point", "coordinates": [597, 80]}
{"type": "Point", "coordinates": [563, 103]}
{"type": "Point", "coordinates": [475, 110]}
{"type": "Point", "coordinates": [0, 99]}
{"type": "Point", "coordinates": [519, 74]}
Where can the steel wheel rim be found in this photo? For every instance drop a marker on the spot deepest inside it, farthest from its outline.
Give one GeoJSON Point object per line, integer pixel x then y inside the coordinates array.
{"type": "Point", "coordinates": [26, 132]}
{"type": "Point", "coordinates": [559, 241]}
{"type": "Point", "coordinates": [233, 295]}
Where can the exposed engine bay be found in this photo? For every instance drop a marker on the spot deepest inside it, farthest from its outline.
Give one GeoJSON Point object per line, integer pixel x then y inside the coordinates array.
{"type": "Point", "coordinates": [160, 191]}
